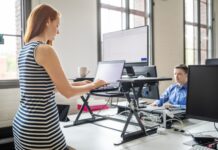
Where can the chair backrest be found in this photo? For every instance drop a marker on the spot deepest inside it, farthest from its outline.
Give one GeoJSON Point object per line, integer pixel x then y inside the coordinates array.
{"type": "Point", "coordinates": [63, 112]}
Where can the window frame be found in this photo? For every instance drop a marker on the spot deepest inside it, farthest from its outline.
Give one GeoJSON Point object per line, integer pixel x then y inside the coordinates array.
{"type": "Point", "coordinates": [25, 11]}
{"type": "Point", "coordinates": [200, 26]}
{"type": "Point", "coordinates": [148, 14]}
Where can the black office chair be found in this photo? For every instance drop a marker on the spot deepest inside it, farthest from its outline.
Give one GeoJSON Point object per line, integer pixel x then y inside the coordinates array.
{"type": "Point", "coordinates": [6, 138]}
{"type": "Point", "coordinates": [63, 112]}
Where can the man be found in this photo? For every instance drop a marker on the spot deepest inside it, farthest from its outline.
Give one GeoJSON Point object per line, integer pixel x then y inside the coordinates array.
{"type": "Point", "coordinates": [175, 94]}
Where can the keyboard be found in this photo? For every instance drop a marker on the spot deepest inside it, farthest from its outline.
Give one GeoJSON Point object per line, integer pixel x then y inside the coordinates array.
{"type": "Point", "coordinates": [105, 88]}
{"type": "Point", "coordinates": [199, 147]}
{"type": "Point", "coordinates": [175, 109]}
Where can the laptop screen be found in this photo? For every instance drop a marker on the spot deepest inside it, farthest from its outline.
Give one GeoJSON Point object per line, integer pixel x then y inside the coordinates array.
{"type": "Point", "coordinates": [110, 71]}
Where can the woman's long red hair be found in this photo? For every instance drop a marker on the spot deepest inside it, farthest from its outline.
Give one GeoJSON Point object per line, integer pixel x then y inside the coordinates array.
{"type": "Point", "coordinates": [37, 20]}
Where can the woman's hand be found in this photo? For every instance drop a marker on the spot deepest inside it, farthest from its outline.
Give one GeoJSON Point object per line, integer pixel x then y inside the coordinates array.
{"type": "Point", "coordinates": [99, 83]}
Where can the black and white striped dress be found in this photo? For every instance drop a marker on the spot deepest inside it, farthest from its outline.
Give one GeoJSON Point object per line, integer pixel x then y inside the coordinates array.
{"type": "Point", "coordinates": [36, 124]}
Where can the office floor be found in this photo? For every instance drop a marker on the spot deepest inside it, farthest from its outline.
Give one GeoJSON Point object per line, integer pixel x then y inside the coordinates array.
{"type": "Point", "coordinates": [91, 136]}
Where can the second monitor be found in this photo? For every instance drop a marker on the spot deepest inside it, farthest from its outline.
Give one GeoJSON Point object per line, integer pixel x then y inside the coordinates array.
{"type": "Point", "coordinates": [212, 61]}
{"type": "Point", "coordinates": [135, 69]}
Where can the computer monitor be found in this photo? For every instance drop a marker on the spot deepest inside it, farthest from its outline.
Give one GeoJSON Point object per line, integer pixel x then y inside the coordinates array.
{"type": "Point", "coordinates": [213, 61]}
{"type": "Point", "coordinates": [147, 71]}
{"type": "Point", "coordinates": [135, 69]}
{"type": "Point", "coordinates": [202, 96]}
{"type": "Point", "coordinates": [139, 68]}
{"type": "Point", "coordinates": [151, 90]}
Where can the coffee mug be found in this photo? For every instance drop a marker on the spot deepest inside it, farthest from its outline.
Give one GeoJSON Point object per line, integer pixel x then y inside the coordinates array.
{"type": "Point", "coordinates": [82, 72]}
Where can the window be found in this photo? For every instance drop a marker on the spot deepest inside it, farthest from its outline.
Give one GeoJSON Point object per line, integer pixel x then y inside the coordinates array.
{"type": "Point", "coordinates": [137, 13]}
{"type": "Point", "coordinates": [11, 31]}
{"type": "Point", "coordinates": [116, 15]}
{"type": "Point", "coordinates": [198, 31]}
{"type": "Point", "coordinates": [113, 16]}
{"type": "Point", "coordinates": [10, 27]}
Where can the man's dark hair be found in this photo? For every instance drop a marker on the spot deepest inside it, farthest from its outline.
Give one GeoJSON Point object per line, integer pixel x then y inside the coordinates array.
{"type": "Point", "coordinates": [183, 67]}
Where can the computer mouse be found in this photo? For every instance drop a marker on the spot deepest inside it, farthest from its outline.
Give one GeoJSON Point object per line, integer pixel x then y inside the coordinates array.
{"type": "Point", "coordinates": [141, 77]}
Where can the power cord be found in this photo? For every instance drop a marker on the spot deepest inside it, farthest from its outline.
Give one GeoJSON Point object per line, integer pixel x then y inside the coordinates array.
{"type": "Point", "coordinates": [174, 118]}
{"type": "Point", "coordinates": [126, 111]}
{"type": "Point", "coordinates": [215, 127]}
{"type": "Point", "coordinates": [180, 129]}
{"type": "Point", "coordinates": [107, 102]}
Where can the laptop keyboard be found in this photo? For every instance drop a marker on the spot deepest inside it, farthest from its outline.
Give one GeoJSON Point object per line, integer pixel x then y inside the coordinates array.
{"type": "Point", "coordinates": [199, 147]}
{"type": "Point", "coordinates": [105, 88]}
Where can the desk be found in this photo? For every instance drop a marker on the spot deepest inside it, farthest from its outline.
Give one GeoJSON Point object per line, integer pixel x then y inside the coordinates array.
{"type": "Point", "coordinates": [103, 139]}
{"type": "Point", "coordinates": [127, 86]}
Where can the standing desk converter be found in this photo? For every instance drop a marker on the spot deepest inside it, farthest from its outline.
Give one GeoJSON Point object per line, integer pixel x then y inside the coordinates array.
{"type": "Point", "coordinates": [127, 86]}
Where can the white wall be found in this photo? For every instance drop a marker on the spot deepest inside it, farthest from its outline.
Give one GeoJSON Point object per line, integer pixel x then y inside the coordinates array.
{"type": "Point", "coordinates": [168, 37]}
{"type": "Point", "coordinates": [9, 101]}
{"type": "Point", "coordinates": [77, 42]}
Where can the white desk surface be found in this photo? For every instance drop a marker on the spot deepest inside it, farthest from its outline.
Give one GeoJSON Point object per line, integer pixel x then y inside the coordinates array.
{"type": "Point", "coordinates": [92, 137]}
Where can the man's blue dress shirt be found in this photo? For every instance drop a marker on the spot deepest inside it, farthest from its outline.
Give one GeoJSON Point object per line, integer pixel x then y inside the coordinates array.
{"type": "Point", "coordinates": [175, 95]}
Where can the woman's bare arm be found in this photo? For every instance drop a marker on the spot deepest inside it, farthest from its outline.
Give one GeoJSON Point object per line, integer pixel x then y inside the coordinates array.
{"type": "Point", "coordinates": [47, 57]}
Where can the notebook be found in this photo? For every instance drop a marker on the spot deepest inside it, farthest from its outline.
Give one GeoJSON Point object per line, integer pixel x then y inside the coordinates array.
{"type": "Point", "coordinates": [111, 72]}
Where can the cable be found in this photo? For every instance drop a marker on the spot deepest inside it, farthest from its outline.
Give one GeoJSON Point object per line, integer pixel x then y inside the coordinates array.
{"type": "Point", "coordinates": [126, 111]}
{"type": "Point", "coordinates": [180, 121]}
{"type": "Point", "coordinates": [215, 127]}
{"type": "Point", "coordinates": [117, 100]}
{"type": "Point", "coordinates": [175, 119]}
{"type": "Point", "coordinates": [103, 106]}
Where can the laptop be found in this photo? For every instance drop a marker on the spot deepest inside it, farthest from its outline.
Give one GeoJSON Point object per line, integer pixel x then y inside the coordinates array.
{"type": "Point", "coordinates": [111, 72]}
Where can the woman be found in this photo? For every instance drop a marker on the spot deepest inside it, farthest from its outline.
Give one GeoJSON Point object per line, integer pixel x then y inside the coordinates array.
{"type": "Point", "coordinates": [36, 124]}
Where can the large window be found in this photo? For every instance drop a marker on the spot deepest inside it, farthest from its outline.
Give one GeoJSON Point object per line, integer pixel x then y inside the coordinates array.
{"type": "Point", "coordinates": [121, 14]}
{"type": "Point", "coordinates": [13, 16]}
{"type": "Point", "coordinates": [10, 28]}
{"type": "Point", "coordinates": [116, 15]}
{"type": "Point", "coordinates": [137, 13]}
{"type": "Point", "coordinates": [198, 31]}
